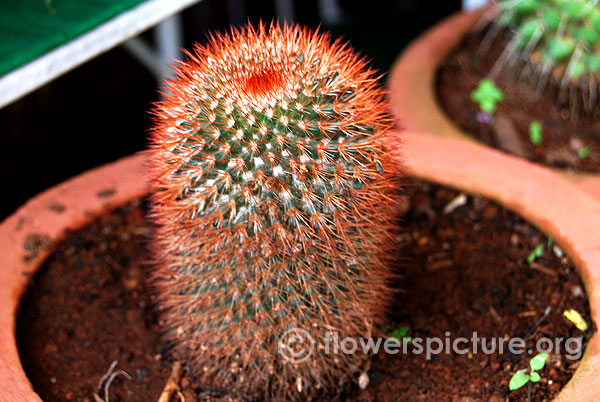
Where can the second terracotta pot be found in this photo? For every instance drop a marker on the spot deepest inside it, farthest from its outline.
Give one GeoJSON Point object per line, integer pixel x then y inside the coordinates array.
{"type": "Point", "coordinates": [412, 81]}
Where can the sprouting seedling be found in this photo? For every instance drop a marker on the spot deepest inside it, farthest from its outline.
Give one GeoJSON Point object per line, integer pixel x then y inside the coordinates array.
{"type": "Point", "coordinates": [401, 333]}
{"type": "Point", "coordinates": [522, 377]}
{"type": "Point", "coordinates": [487, 95]}
{"type": "Point", "coordinates": [584, 152]}
{"type": "Point", "coordinates": [536, 253]}
{"type": "Point", "coordinates": [535, 132]}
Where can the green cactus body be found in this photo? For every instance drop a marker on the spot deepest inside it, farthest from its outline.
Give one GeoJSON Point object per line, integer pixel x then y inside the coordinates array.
{"type": "Point", "coordinates": [274, 207]}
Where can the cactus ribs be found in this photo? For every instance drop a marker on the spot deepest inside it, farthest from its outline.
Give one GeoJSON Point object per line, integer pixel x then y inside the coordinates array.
{"type": "Point", "coordinates": [274, 203]}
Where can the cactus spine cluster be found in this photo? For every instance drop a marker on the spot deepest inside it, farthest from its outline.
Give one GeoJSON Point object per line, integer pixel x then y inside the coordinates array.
{"type": "Point", "coordinates": [274, 207]}
{"type": "Point", "coordinates": [559, 38]}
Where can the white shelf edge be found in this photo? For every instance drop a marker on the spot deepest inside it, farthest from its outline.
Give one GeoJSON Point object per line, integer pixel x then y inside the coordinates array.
{"type": "Point", "coordinates": [24, 80]}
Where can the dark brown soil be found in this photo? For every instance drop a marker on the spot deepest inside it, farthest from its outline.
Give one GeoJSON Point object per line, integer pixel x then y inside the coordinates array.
{"type": "Point", "coordinates": [464, 271]}
{"type": "Point", "coordinates": [567, 127]}
{"type": "Point", "coordinates": [88, 307]}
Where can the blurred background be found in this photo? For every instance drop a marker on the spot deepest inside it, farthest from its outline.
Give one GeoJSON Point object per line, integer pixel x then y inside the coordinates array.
{"type": "Point", "coordinates": [98, 112]}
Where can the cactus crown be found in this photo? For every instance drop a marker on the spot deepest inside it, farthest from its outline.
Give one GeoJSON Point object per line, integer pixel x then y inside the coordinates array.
{"type": "Point", "coordinates": [273, 204]}
{"type": "Point", "coordinates": [560, 38]}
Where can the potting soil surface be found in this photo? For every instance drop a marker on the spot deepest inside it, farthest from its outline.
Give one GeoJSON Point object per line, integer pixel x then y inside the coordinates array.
{"type": "Point", "coordinates": [570, 135]}
{"type": "Point", "coordinates": [464, 270]}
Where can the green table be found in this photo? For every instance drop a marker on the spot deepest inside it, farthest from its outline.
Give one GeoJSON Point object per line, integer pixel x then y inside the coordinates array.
{"type": "Point", "coordinates": [42, 39]}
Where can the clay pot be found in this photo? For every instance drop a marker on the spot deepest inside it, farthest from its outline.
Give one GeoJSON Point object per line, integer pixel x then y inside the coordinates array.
{"type": "Point", "coordinates": [29, 235]}
{"type": "Point", "coordinates": [557, 206]}
{"type": "Point", "coordinates": [411, 85]}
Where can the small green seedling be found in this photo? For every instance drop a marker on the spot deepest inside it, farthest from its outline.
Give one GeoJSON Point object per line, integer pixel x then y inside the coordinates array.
{"type": "Point", "coordinates": [535, 132]}
{"type": "Point", "coordinates": [487, 95]}
{"type": "Point", "coordinates": [521, 377]}
{"type": "Point", "coordinates": [584, 152]}
{"type": "Point", "coordinates": [401, 333]}
{"type": "Point", "coordinates": [536, 253]}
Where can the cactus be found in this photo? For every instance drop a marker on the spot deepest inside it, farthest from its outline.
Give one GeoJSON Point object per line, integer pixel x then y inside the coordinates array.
{"type": "Point", "coordinates": [559, 38]}
{"type": "Point", "coordinates": [274, 208]}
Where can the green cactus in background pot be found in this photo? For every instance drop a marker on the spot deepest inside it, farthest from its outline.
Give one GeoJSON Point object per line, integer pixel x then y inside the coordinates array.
{"type": "Point", "coordinates": [558, 38]}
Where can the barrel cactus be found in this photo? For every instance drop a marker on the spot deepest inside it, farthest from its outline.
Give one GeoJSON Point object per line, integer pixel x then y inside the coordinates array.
{"type": "Point", "coordinates": [559, 38]}
{"type": "Point", "coordinates": [274, 208]}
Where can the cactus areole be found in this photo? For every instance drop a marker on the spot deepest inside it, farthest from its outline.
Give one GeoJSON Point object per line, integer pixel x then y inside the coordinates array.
{"type": "Point", "coordinates": [274, 207]}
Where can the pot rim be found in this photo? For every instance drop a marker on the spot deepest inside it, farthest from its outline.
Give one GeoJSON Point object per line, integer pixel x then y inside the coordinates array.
{"type": "Point", "coordinates": [30, 235]}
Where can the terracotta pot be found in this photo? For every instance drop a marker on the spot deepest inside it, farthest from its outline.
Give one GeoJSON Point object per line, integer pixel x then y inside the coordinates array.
{"type": "Point", "coordinates": [547, 200]}
{"type": "Point", "coordinates": [411, 85]}
{"type": "Point", "coordinates": [29, 235]}
{"type": "Point", "coordinates": [556, 205]}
